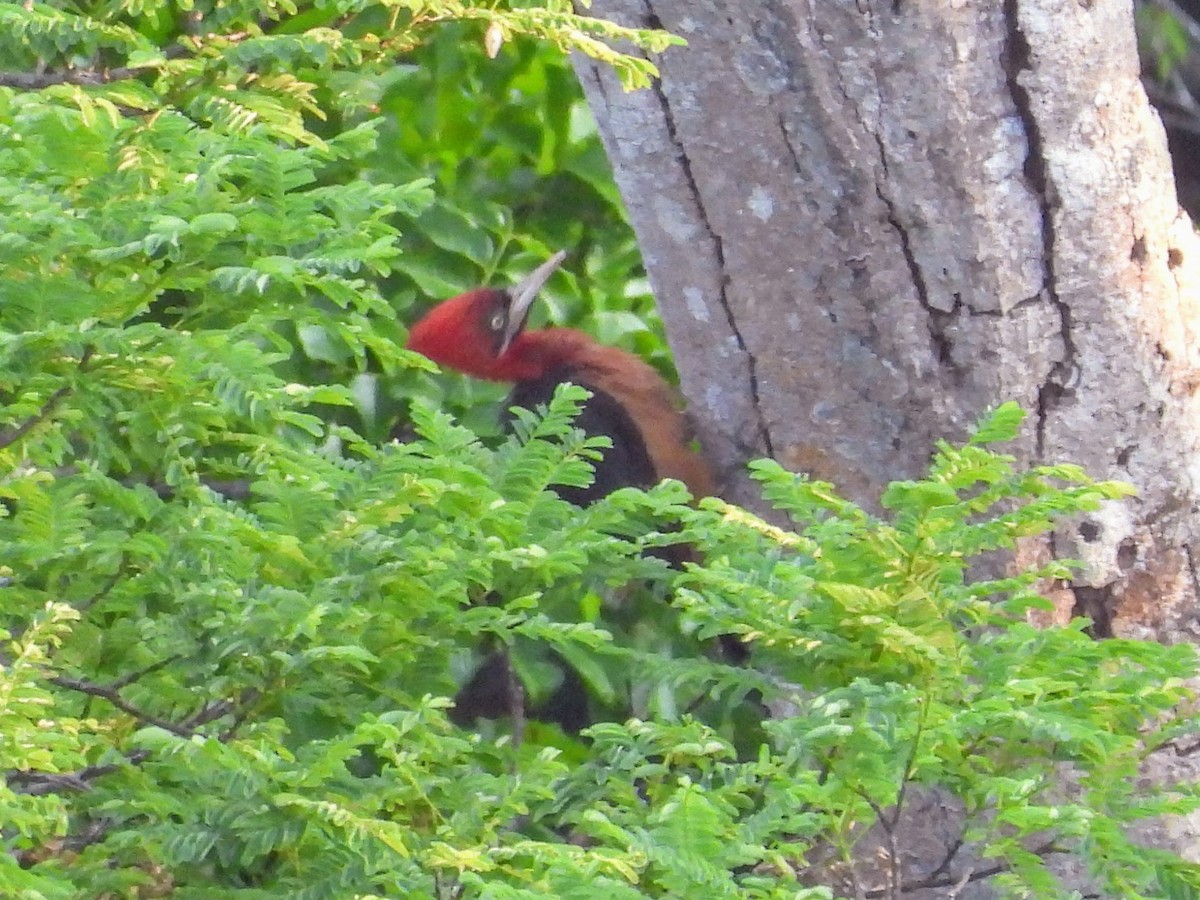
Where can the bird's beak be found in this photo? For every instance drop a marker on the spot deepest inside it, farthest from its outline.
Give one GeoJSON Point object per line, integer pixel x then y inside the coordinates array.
{"type": "Point", "coordinates": [523, 293]}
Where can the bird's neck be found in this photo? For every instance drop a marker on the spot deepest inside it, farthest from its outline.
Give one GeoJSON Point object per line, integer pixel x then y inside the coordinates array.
{"type": "Point", "coordinates": [535, 354]}
{"type": "Point", "coordinates": [650, 402]}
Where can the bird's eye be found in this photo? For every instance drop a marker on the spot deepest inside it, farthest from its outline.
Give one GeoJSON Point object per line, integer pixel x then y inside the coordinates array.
{"type": "Point", "coordinates": [498, 320]}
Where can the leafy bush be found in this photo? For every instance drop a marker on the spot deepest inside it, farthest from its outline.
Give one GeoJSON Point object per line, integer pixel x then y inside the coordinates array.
{"type": "Point", "coordinates": [234, 610]}
{"type": "Point", "coordinates": [246, 696]}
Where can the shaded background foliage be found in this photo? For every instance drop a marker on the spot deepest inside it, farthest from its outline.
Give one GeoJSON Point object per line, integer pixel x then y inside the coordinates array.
{"type": "Point", "coordinates": [519, 172]}
{"type": "Point", "coordinates": [1169, 44]}
{"type": "Point", "coordinates": [234, 609]}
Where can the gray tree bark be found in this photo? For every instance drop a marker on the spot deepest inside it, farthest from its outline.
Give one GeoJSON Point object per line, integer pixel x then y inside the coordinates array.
{"type": "Point", "coordinates": [867, 222]}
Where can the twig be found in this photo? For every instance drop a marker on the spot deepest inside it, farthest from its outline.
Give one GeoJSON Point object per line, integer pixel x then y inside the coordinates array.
{"type": "Point", "coordinates": [247, 700]}
{"type": "Point", "coordinates": [230, 489]}
{"type": "Point", "coordinates": [907, 773]}
{"type": "Point", "coordinates": [516, 701]}
{"type": "Point", "coordinates": [855, 882]}
{"type": "Point", "coordinates": [18, 633]}
{"type": "Point", "coordinates": [126, 680]}
{"type": "Point", "coordinates": [37, 784]}
{"type": "Point", "coordinates": [113, 580]}
{"type": "Point", "coordinates": [106, 692]}
{"type": "Point", "coordinates": [957, 880]}
{"type": "Point", "coordinates": [962, 883]}
{"type": "Point", "coordinates": [34, 81]}
{"type": "Point", "coordinates": [15, 434]}
{"type": "Point", "coordinates": [210, 712]}
{"type": "Point", "coordinates": [889, 829]}
{"type": "Point", "coordinates": [1182, 751]}
{"type": "Point", "coordinates": [219, 709]}
{"type": "Point", "coordinates": [951, 852]}
{"type": "Point", "coordinates": [11, 437]}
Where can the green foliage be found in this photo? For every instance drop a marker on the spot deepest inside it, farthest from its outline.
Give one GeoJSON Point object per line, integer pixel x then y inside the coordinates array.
{"type": "Point", "coordinates": [519, 172]}
{"type": "Point", "coordinates": [1163, 40]}
{"type": "Point", "coordinates": [234, 611]}
{"type": "Point", "coordinates": [905, 670]}
{"type": "Point", "coordinates": [259, 682]}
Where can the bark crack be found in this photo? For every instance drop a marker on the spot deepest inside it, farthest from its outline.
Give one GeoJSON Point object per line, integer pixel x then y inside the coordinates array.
{"type": "Point", "coordinates": [1018, 59]}
{"type": "Point", "coordinates": [893, 218]}
{"type": "Point", "coordinates": [601, 87]}
{"type": "Point", "coordinates": [719, 249]}
{"type": "Point", "coordinates": [787, 142]}
{"type": "Point", "coordinates": [938, 321]}
{"type": "Point", "coordinates": [1191, 565]}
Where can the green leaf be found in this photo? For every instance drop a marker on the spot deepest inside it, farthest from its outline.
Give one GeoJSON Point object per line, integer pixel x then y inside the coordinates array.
{"type": "Point", "coordinates": [1001, 424]}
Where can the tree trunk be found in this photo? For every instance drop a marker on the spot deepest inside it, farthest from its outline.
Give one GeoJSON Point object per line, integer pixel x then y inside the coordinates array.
{"type": "Point", "coordinates": [868, 222]}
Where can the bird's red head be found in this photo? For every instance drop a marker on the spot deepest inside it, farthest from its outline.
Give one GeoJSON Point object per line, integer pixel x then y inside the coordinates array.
{"type": "Point", "coordinates": [480, 332]}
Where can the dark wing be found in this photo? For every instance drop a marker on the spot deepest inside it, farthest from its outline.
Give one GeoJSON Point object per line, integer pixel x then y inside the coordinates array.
{"type": "Point", "coordinates": [626, 464]}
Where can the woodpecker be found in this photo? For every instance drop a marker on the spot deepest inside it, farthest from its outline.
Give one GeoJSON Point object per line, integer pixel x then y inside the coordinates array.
{"type": "Point", "coordinates": [483, 333]}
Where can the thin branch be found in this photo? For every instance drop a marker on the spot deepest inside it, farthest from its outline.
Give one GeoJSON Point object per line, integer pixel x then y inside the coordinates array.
{"type": "Point", "coordinates": [218, 709]}
{"type": "Point", "coordinates": [208, 713]}
{"type": "Point", "coordinates": [229, 488]}
{"type": "Point", "coordinates": [12, 436]}
{"type": "Point", "coordinates": [58, 847]}
{"type": "Point", "coordinates": [189, 727]}
{"type": "Point", "coordinates": [15, 434]}
{"type": "Point", "coordinates": [516, 701]}
{"type": "Point", "coordinates": [106, 692]}
{"type": "Point", "coordinates": [37, 784]}
{"type": "Point", "coordinates": [247, 701]}
{"type": "Point", "coordinates": [889, 829]}
{"type": "Point", "coordinates": [906, 776]}
{"type": "Point", "coordinates": [951, 852]}
{"type": "Point", "coordinates": [35, 81]}
{"type": "Point", "coordinates": [113, 580]}
{"type": "Point", "coordinates": [855, 882]}
{"type": "Point", "coordinates": [92, 832]}
{"type": "Point", "coordinates": [18, 633]}
{"type": "Point", "coordinates": [126, 680]}
{"type": "Point", "coordinates": [962, 883]}
{"type": "Point", "coordinates": [957, 881]}
{"type": "Point", "coordinates": [1185, 750]}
